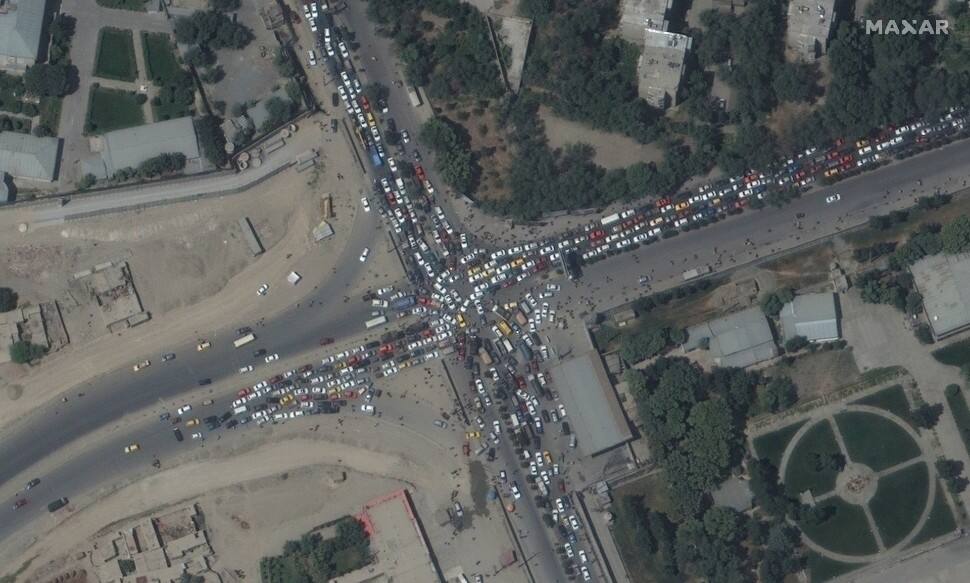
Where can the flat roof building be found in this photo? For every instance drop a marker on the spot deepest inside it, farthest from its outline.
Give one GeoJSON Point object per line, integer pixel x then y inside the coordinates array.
{"type": "Point", "coordinates": [740, 339]}
{"type": "Point", "coordinates": [21, 25]}
{"type": "Point", "coordinates": [129, 147]}
{"type": "Point", "coordinates": [813, 316]}
{"type": "Point", "coordinates": [944, 283]}
{"type": "Point", "coordinates": [661, 67]}
{"type": "Point", "coordinates": [29, 157]}
{"type": "Point", "coordinates": [595, 412]}
{"type": "Point", "coordinates": [638, 15]}
{"type": "Point", "coordinates": [809, 27]}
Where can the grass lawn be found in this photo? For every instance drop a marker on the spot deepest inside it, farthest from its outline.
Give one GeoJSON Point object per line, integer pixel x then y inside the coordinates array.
{"type": "Point", "coordinates": [159, 57]}
{"type": "Point", "coordinates": [961, 415]}
{"type": "Point", "coordinates": [802, 472]}
{"type": "Point", "coordinates": [11, 90]}
{"type": "Point", "coordinates": [847, 531]}
{"type": "Point", "coordinates": [956, 354]}
{"type": "Point", "coordinates": [899, 502]}
{"type": "Point", "coordinates": [822, 568]}
{"type": "Point", "coordinates": [136, 5]}
{"type": "Point", "coordinates": [116, 55]}
{"type": "Point", "coordinates": [892, 399]}
{"type": "Point", "coordinates": [113, 109]}
{"type": "Point", "coordinates": [50, 112]}
{"type": "Point", "coordinates": [877, 442]}
{"type": "Point", "coordinates": [772, 445]}
{"type": "Point", "coordinates": [940, 520]}
{"type": "Point", "coordinates": [655, 491]}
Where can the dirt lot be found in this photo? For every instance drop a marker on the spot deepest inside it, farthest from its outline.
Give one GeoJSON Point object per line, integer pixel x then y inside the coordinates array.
{"type": "Point", "coordinates": [819, 373]}
{"type": "Point", "coordinates": [181, 256]}
{"type": "Point", "coordinates": [800, 269]}
{"type": "Point", "coordinates": [612, 150]}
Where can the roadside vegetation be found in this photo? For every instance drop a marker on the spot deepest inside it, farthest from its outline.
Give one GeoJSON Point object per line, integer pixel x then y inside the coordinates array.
{"type": "Point", "coordinates": [313, 559]}
{"type": "Point", "coordinates": [23, 352]}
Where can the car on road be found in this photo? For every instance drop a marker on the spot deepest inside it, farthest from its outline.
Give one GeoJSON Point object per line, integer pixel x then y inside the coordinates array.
{"type": "Point", "coordinates": [440, 424]}
{"type": "Point", "coordinates": [574, 522]}
{"type": "Point", "coordinates": [263, 289]}
{"type": "Point", "coordinates": [364, 254]}
{"type": "Point", "coordinates": [516, 494]}
{"type": "Point", "coordinates": [585, 573]}
{"type": "Point", "coordinates": [325, 341]}
{"type": "Point", "coordinates": [833, 198]}
{"type": "Point", "coordinates": [405, 137]}
{"type": "Point", "coordinates": [192, 422]}
{"type": "Point", "coordinates": [168, 356]}
{"type": "Point", "coordinates": [367, 409]}
{"type": "Point", "coordinates": [141, 365]}
{"type": "Point", "coordinates": [582, 557]}
{"type": "Point", "coordinates": [184, 409]}
{"type": "Point", "coordinates": [246, 369]}
{"type": "Point", "coordinates": [203, 345]}
{"type": "Point", "coordinates": [392, 164]}
{"type": "Point", "coordinates": [132, 448]}
{"type": "Point", "coordinates": [364, 204]}
{"type": "Point", "coordinates": [259, 353]}
{"type": "Point", "coordinates": [197, 435]}
{"type": "Point", "coordinates": [204, 382]}
{"type": "Point", "coordinates": [178, 434]}
{"type": "Point", "coordinates": [272, 357]}
{"type": "Point", "coordinates": [32, 484]}
{"type": "Point", "coordinates": [20, 503]}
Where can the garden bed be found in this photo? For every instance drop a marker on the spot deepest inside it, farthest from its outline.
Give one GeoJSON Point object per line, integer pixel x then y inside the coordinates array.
{"type": "Point", "coordinates": [875, 441]}
{"type": "Point", "coordinates": [892, 399]}
{"type": "Point", "coordinates": [802, 472]}
{"type": "Point", "coordinates": [899, 502]}
{"type": "Point", "coordinates": [940, 520]}
{"type": "Point", "coordinates": [113, 109]}
{"type": "Point", "coordinates": [846, 531]}
{"type": "Point", "coordinates": [115, 58]}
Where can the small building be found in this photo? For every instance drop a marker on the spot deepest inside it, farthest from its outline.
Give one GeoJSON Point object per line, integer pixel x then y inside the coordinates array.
{"type": "Point", "coordinates": [623, 318]}
{"type": "Point", "coordinates": [21, 26]}
{"type": "Point", "coordinates": [740, 339]}
{"type": "Point", "coordinates": [129, 147]}
{"type": "Point", "coordinates": [639, 15]}
{"type": "Point", "coordinates": [813, 316]}
{"type": "Point", "coordinates": [809, 27]}
{"type": "Point", "coordinates": [944, 282]}
{"type": "Point", "coordinates": [661, 67]}
{"type": "Point", "coordinates": [29, 157]}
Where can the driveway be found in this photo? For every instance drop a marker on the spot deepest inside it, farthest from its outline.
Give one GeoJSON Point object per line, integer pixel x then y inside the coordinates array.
{"type": "Point", "coordinates": [91, 18]}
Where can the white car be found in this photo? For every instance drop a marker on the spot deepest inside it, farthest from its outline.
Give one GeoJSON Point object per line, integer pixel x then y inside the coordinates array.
{"type": "Point", "coordinates": [582, 557]}
{"type": "Point", "coordinates": [516, 494]}
{"type": "Point", "coordinates": [367, 409]}
{"type": "Point", "coordinates": [392, 165]}
{"type": "Point", "coordinates": [246, 369]}
{"type": "Point", "coordinates": [184, 409]}
{"type": "Point", "coordinates": [262, 289]}
{"type": "Point", "coordinates": [405, 137]}
{"type": "Point", "coordinates": [272, 357]}
{"type": "Point", "coordinates": [834, 198]}
{"type": "Point", "coordinates": [364, 204]}
{"type": "Point", "coordinates": [343, 50]}
{"type": "Point", "coordinates": [574, 522]}
{"type": "Point", "coordinates": [312, 57]}
{"type": "Point", "coordinates": [364, 254]}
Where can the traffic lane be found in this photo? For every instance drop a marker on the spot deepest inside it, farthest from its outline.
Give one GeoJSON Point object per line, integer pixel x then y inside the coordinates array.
{"type": "Point", "coordinates": [116, 393]}
{"type": "Point", "coordinates": [533, 534]}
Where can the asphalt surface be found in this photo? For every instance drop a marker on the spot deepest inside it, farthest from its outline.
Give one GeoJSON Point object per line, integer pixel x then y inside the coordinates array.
{"type": "Point", "coordinates": [298, 330]}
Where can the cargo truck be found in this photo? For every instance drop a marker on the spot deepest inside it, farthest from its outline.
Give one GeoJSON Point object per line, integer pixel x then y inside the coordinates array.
{"type": "Point", "coordinates": [376, 321]}
{"type": "Point", "coordinates": [239, 342]}
{"type": "Point", "coordinates": [696, 272]}
{"type": "Point", "coordinates": [401, 304]}
{"type": "Point", "coordinates": [414, 96]}
{"type": "Point", "coordinates": [610, 219]}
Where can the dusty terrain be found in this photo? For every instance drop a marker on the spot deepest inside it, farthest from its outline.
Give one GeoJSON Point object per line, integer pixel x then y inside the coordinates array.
{"type": "Point", "coordinates": [612, 150]}
{"type": "Point", "coordinates": [190, 266]}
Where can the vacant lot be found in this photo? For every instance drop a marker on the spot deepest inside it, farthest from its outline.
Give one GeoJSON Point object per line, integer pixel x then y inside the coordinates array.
{"type": "Point", "coordinates": [116, 55]}
{"type": "Point", "coordinates": [803, 268]}
{"type": "Point", "coordinates": [612, 150]}
{"type": "Point", "coordinates": [807, 469]}
{"type": "Point", "coordinates": [899, 502]}
{"type": "Point", "coordinates": [875, 441]}
{"type": "Point", "coordinates": [113, 109]}
{"type": "Point", "coordinates": [820, 372]}
{"type": "Point", "coordinates": [160, 57]}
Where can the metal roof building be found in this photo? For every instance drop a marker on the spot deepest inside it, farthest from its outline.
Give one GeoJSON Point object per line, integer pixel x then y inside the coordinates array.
{"type": "Point", "coordinates": [594, 411]}
{"type": "Point", "coordinates": [740, 339]}
{"type": "Point", "coordinates": [130, 147]}
{"type": "Point", "coordinates": [944, 283]}
{"type": "Point", "coordinates": [813, 316]}
{"type": "Point", "coordinates": [21, 24]}
{"type": "Point", "coordinates": [29, 157]}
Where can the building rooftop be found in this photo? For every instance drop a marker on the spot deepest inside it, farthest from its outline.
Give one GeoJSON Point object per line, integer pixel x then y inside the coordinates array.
{"type": "Point", "coordinates": [594, 410]}
{"type": "Point", "coordinates": [637, 15]}
{"type": "Point", "coordinates": [29, 157]}
{"type": "Point", "coordinates": [129, 147]}
{"type": "Point", "coordinates": [809, 26]}
{"type": "Point", "coordinates": [661, 66]}
{"type": "Point", "coordinates": [813, 316]}
{"type": "Point", "coordinates": [944, 283]}
{"type": "Point", "coordinates": [740, 339]}
{"type": "Point", "coordinates": [21, 23]}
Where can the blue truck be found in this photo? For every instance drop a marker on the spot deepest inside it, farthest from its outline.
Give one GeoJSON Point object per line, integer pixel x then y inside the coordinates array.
{"type": "Point", "coordinates": [401, 304]}
{"type": "Point", "coordinates": [375, 158]}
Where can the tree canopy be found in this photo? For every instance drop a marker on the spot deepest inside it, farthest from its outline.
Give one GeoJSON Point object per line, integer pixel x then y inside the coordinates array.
{"type": "Point", "coordinates": [211, 29]}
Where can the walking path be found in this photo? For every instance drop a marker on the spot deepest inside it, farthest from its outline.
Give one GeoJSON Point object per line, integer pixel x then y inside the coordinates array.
{"type": "Point", "coordinates": [862, 498]}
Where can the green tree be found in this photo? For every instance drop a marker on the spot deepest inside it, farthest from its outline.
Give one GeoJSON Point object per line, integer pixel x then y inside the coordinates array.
{"type": "Point", "coordinates": [224, 5]}
{"type": "Point", "coordinates": [926, 416]}
{"type": "Point", "coordinates": [724, 523]}
{"type": "Point", "coordinates": [212, 140]}
{"type": "Point", "coordinates": [22, 352]}
{"type": "Point", "coordinates": [955, 235]}
{"type": "Point", "coordinates": [796, 343]}
{"type": "Point", "coordinates": [8, 299]}
{"type": "Point", "coordinates": [645, 342]}
{"type": "Point", "coordinates": [45, 80]}
{"type": "Point", "coordinates": [772, 303]}
{"type": "Point", "coordinates": [779, 394]}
